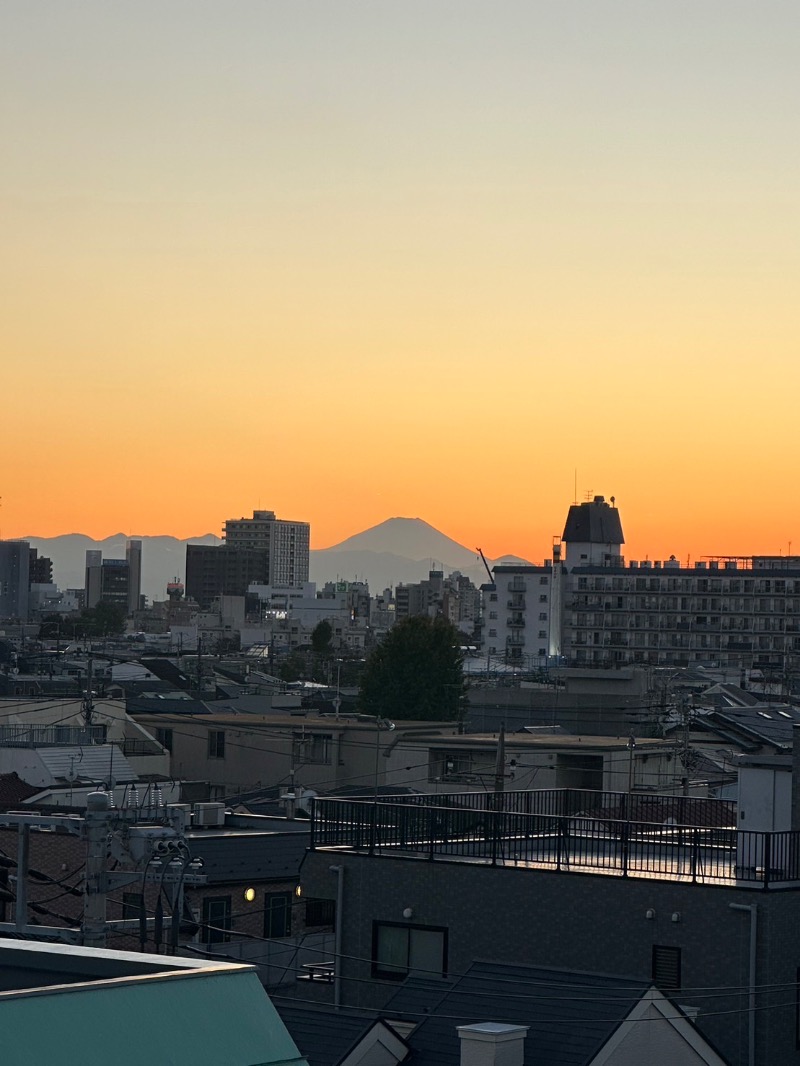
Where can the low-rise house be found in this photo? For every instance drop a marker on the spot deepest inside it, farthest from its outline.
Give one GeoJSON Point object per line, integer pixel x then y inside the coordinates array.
{"type": "Point", "coordinates": [693, 903]}
{"type": "Point", "coordinates": [237, 753]}
{"type": "Point", "coordinates": [542, 756]}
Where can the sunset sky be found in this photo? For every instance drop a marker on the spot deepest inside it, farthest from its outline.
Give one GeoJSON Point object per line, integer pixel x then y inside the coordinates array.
{"type": "Point", "coordinates": [349, 260]}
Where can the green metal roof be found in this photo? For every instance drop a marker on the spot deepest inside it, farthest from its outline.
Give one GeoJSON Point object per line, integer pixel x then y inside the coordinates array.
{"type": "Point", "coordinates": [130, 1009]}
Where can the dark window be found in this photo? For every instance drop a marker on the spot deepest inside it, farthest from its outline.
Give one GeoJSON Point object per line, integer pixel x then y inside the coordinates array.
{"type": "Point", "coordinates": [313, 747]}
{"type": "Point", "coordinates": [216, 744]}
{"type": "Point", "coordinates": [164, 738]}
{"type": "Point", "coordinates": [398, 948]}
{"type": "Point", "coordinates": [278, 914]}
{"type": "Point", "coordinates": [216, 919]}
{"type": "Point", "coordinates": [320, 912]}
{"type": "Point", "coordinates": [666, 968]}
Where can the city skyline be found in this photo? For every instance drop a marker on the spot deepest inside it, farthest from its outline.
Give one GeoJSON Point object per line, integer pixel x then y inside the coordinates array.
{"type": "Point", "coordinates": [350, 261]}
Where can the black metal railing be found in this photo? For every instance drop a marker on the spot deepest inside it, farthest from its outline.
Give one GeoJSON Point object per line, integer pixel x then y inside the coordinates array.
{"type": "Point", "coordinates": [40, 736]}
{"type": "Point", "coordinates": [569, 830]}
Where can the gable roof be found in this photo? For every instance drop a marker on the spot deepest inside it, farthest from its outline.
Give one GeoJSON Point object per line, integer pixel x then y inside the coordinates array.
{"type": "Point", "coordinates": [570, 1015]}
{"type": "Point", "coordinates": [325, 1035]}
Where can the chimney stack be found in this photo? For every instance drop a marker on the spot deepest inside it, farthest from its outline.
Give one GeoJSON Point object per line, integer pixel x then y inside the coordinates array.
{"type": "Point", "coordinates": [492, 1044]}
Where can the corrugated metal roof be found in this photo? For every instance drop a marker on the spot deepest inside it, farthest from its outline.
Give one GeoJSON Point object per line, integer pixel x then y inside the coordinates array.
{"type": "Point", "coordinates": [94, 762]}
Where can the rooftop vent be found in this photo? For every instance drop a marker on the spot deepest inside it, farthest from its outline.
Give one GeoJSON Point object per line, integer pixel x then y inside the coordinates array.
{"type": "Point", "coordinates": [492, 1044]}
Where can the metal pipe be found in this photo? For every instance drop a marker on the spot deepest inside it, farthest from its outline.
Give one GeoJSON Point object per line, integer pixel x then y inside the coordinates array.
{"type": "Point", "coordinates": [337, 943]}
{"type": "Point", "coordinates": [23, 848]}
{"type": "Point", "coordinates": [751, 1032]}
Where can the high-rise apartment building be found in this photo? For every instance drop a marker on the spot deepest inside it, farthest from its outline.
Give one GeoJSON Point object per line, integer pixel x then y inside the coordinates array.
{"type": "Point", "coordinates": [14, 579]}
{"type": "Point", "coordinates": [212, 571]}
{"type": "Point", "coordinates": [596, 609]}
{"type": "Point", "coordinates": [133, 557]}
{"type": "Point", "coordinates": [117, 581]}
{"type": "Point", "coordinates": [285, 543]}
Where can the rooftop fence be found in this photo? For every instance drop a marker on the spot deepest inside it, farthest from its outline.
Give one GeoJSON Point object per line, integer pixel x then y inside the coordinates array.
{"type": "Point", "coordinates": [675, 838]}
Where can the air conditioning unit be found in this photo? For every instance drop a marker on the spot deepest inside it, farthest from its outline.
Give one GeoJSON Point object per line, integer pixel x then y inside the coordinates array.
{"type": "Point", "coordinates": [209, 814]}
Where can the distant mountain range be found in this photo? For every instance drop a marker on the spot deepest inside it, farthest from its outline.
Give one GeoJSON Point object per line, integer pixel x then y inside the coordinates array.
{"type": "Point", "coordinates": [397, 550]}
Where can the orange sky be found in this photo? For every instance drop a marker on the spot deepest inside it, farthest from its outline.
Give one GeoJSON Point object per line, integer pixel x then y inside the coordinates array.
{"type": "Point", "coordinates": [421, 260]}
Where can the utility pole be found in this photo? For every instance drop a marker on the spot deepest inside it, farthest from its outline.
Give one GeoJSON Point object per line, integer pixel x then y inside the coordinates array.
{"type": "Point", "coordinates": [199, 664]}
{"type": "Point", "coordinates": [147, 844]}
{"type": "Point", "coordinates": [94, 899]}
{"type": "Point", "coordinates": [88, 700]}
{"type": "Point", "coordinates": [500, 769]}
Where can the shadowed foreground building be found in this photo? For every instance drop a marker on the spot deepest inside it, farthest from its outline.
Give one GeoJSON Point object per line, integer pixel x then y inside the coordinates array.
{"type": "Point", "coordinates": [83, 1007]}
{"type": "Point", "coordinates": [571, 879]}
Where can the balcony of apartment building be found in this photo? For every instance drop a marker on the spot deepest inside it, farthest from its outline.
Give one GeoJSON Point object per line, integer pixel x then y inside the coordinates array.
{"type": "Point", "coordinates": [570, 830]}
{"type": "Point", "coordinates": [516, 603]}
{"type": "Point", "coordinates": [515, 640]}
{"type": "Point", "coordinates": [516, 622]}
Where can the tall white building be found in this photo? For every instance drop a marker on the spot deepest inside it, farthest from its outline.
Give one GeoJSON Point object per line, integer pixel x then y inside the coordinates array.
{"type": "Point", "coordinates": [285, 543]}
{"type": "Point", "coordinates": [596, 609]}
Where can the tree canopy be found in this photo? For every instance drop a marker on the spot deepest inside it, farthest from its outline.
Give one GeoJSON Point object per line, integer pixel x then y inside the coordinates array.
{"type": "Point", "coordinates": [416, 672]}
{"type": "Point", "coordinates": [321, 637]}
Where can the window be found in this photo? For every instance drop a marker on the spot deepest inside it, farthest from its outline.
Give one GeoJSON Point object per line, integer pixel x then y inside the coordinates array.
{"type": "Point", "coordinates": [542, 634]}
{"type": "Point", "coordinates": [164, 738]}
{"type": "Point", "coordinates": [216, 744]}
{"type": "Point", "coordinates": [216, 919]}
{"type": "Point", "coordinates": [492, 614]}
{"type": "Point", "coordinates": [492, 597]}
{"type": "Point", "coordinates": [666, 968]}
{"type": "Point", "coordinates": [313, 747]}
{"type": "Point", "coordinates": [278, 914]}
{"type": "Point", "coordinates": [542, 616]}
{"type": "Point", "coordinates": [320, 912]}
{"type": "Point", "coordinates": [543, 580]}
{"type": "Point", "coordinates": [398, 948]}
{"type": "Point", "coordinates": [543, 598]}
{"type": "Point", "coordinates": [492, 632]}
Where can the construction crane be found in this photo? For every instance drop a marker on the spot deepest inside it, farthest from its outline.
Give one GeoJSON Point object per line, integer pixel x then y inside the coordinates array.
{"type": "Point", "coordinates": [483, 560]}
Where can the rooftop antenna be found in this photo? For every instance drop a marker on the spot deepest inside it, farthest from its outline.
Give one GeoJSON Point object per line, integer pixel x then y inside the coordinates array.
{"type": "Point", "coordinates": [575, 488]}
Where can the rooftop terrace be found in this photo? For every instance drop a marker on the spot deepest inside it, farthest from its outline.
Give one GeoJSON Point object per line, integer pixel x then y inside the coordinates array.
{"type": "Point", "coordinates": [674, 838]}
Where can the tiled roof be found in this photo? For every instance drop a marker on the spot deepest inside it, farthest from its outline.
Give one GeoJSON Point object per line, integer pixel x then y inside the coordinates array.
{"type": "Point", "coordinates": [13, 791]}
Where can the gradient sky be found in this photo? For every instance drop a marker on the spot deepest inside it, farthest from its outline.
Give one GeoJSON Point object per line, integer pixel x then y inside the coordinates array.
{"type": "Point", "coordinates": [349, 260]}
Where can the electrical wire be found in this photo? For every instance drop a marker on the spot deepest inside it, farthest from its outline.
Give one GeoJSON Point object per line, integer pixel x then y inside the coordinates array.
{"type": "Point", "coordinates": [702, 992]}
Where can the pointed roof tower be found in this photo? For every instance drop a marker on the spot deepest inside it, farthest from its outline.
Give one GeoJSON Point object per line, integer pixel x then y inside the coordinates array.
{"type": "Point", "coordinates": [593, 534]}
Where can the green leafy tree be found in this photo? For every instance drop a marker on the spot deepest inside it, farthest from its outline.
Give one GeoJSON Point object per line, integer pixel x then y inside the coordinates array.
{"type": "Point", "coordinates": [106, 619]}
{"type": "Point", "coordinates": [416, 672]}
{"type": "Point", "coordinates": [292, 668]}
{"type": "Point", "coordinates": [321, 637]}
